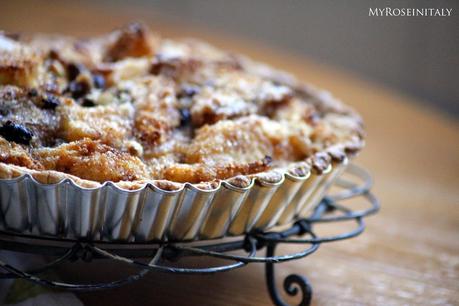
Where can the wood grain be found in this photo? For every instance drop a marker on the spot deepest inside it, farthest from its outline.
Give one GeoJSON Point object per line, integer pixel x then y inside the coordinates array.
{"type": "Point", "coordinates": [409, 253]}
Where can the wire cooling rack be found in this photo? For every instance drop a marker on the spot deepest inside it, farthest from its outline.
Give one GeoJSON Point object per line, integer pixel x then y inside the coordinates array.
{"type": "Point", "coordinates": [163, 257]}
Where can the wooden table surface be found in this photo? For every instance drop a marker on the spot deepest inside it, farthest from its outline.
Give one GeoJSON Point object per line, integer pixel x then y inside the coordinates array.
{"type": "Point", "coordinates": [409, 253]}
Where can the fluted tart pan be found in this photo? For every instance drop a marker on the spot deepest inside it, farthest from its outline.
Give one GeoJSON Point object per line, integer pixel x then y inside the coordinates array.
{"type": "Point", "coordinates": [150, 213]}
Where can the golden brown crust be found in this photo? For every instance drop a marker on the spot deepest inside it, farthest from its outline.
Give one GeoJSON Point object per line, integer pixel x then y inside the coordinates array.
{"type": "Point", "coordinates": [131, 41]}
{"type": "Point", "coordinates": [92, 160]}
{"type": "Point", "coordinates": [19, 65]}
{"type": "Point", "coordinates": [131, 107]}
{"type": "Point", "coordinates": [12, 153]}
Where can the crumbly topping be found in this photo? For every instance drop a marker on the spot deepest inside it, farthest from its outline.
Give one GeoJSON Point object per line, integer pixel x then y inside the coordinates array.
{"type": "Point", "coordinates": [132, 107]}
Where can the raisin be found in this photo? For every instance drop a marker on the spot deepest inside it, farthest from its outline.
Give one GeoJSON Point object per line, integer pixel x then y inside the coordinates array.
{"type": "Point", "coordinates": [50, 102]}
{"type": "Point", "coordinates": [88, 103]}
{"type": "Point", "coordinates": [188, 91]}
{"type": "Point", "coordinates": [16, 133]}
{"type": "Point", "coordinates": [98, 80]}
{"type": "Point", "coordinates": [78, 89]}
{"type": "Point", "coordinates": [33, 92]}
{"type": "Point", "coordinates": [267, 160]}
{"type": "Point", "coordinates": [73, 70]}
{"type": "Point", "coordinates": [53, 54]}
{"type": "Point", "coordinates": [4, 111]}
{"type": "Point", "coordinates": [185, 117]}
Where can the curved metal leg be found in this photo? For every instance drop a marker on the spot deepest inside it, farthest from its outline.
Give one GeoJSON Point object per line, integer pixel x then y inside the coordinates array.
{"type": "Point", "coordinates": [292, 283]}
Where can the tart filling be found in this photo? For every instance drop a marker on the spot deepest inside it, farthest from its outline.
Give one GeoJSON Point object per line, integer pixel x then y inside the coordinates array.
{"type": "Point", "coordinates": [133, 107]}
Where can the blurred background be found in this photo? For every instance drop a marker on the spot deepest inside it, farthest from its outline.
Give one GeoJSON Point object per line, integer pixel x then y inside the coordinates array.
{"type": "Point", "coordinates": [418, 56]}
{"type": "Point", "coordinates": [409, 255]}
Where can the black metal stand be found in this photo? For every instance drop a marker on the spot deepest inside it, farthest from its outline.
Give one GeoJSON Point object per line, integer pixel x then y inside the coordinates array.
{"type": "Point", "coordinates": [163, 254]}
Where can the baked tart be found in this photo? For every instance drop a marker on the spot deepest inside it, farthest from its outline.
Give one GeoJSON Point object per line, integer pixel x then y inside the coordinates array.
{"type": "Point", "coordinates": [133, 111]}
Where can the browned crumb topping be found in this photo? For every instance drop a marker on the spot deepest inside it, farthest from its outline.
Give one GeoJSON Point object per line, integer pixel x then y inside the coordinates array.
{"type": "Point", "coordinates": [92, 160]}
{"type": "Point", "coordinates": [132, 106]}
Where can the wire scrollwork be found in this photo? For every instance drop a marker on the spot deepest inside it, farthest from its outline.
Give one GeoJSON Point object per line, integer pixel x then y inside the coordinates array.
{"type": "Point", "coordinates": [293, 283]}
{"type": "Point", "coordinates": [300, 233]}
